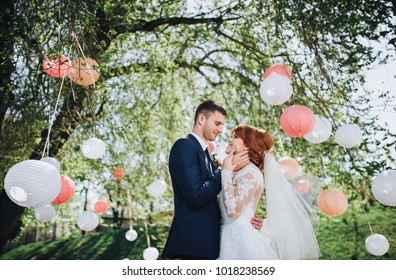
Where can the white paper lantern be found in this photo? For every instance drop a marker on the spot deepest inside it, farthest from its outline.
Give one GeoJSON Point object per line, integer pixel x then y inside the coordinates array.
{"type": "Point", "coordinates": [320, 132]}
{"type": "Point", "coordinates": [32, 183]}
{"type": "Point", "coordinates": [384, 187]}
{"type": "Point", "coordinates": [157, 188]}
{"type": "Point", "coordinates": [52, 161]}
{"type": "Point", "coordinates": [348, 135]}
{"type": "Point", "coordinates": [45, 213]}
{"type": "Point", "coordinates": [150, 253]}
{"type": "Point", "coordinates": [276, 89]}
{"type": "Point", "coordinates": [87, 221]}
{"type": "Point", "coordinates": [377, 244]}
{"type": "Point", "coordinates": [93, 148]}
{"type": "Point", "coordinates": [131, 235]}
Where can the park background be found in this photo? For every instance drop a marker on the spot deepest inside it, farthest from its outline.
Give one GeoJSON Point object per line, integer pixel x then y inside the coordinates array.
{"type": "Point", "coordinates": [156, 61]}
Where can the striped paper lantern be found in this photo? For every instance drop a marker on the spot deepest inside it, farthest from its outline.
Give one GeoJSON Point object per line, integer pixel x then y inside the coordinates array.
{"type": "Point", "coordinates": [67, 190]}
{"type": "Point", "coordinates": [297, 120]}
{"type": "Point", "coordinates": [101, 206]}
{"type": "Point", "coordinates": [279, 69]}
{"type": "Point", "coordinates": [332, 202]}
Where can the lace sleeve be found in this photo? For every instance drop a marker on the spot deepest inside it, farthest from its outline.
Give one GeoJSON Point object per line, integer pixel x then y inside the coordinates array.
{"type": "Point", "coordinates": [237, 192]}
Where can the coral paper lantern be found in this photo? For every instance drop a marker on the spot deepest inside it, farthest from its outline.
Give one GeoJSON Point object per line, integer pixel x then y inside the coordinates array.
{"type": "Point", "coordinates": [157, 188]}
{"type": "Point", "coordinates": [101, 206]}
{"type": "Point", "coordinates": [276, 89]}
{"type": "Point", "coordinates": [150, 253]}
{"type": "Point", "coordinates": [320, 132]}
{"type": "Point", "coordinates": [67, 190]}
{"type": "Point", "coordinates": [302, 186]}
{"type": "Point", "coordinates": [211, 147]}
{"type": "Point", "coordinates": [93, 148]}
{"type": "Point", "coordinates": [332, 202]}
{"type": "Point", "coordinates": [297, 120]}
{"type": "Point", "coordinates": [279, 69]}
{"type": "Point", "coordinates": [289, 167]}
{"type": "Point", "coordinates": [348, 135]}
{"type": "Point", "coordinates": [118, 173]}
{"type": "Point", "coordinates": [84, 71]}
{"type": "Point", "coordinates": [131, 235]}
{"type": "Point", "coordinates": [57, 66]}
{"type": "Point", "coordinates": [87, 221]}
{"type": "Point", "coordinates": [384, 187]}
{"type": "Point", "coordinates": [45, 213]}
{"type": "Point", "coordinates": [32, 183]}
{"type": "Point", "coordinates": [377, 244]}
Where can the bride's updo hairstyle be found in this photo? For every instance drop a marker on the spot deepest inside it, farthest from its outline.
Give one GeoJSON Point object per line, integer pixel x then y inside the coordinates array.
{"type": "Point", "coordinates": [259, 141]}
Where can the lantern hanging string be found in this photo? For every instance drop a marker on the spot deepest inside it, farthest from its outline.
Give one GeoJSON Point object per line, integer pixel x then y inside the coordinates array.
{"type": "Point", "coordinates": [129, 209]}
{"type": "Point", "coordinates": [269, 50]}
{"type": "Point", "coordinates": [365, 213]}
{"type": "Point", "coordinates": [147, 233]}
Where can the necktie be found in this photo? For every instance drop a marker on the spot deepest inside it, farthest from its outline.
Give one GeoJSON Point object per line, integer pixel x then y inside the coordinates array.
{"type": "Point", "coordinates": [209, 160]}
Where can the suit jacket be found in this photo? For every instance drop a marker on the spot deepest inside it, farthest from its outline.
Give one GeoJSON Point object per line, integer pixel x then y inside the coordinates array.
{"type": "Point", "coordinates": [195, 229]}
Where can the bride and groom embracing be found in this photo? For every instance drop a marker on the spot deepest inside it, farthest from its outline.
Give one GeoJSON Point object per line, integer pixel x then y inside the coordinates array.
{"type": "Point", "coordinates": [214, 209]}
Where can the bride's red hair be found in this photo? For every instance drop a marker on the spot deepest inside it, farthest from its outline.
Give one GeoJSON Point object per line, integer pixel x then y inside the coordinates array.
{"type": "Point", "coordinates": [259, 141]}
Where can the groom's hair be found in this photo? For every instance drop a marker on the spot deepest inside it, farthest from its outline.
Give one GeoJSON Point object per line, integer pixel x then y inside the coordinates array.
{"type": "Point", "coordinates": [207, 108]}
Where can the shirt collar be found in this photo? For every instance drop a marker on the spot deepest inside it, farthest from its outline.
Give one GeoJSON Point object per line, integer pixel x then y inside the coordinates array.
{"type": "Point", "coordinates": [202, 142]}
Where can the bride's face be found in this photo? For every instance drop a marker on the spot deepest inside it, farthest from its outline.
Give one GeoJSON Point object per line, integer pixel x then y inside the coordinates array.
{"type": "Point", "coordinates": [233, 143]}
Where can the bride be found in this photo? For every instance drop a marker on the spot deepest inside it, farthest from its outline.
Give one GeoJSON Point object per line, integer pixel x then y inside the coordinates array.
{"type": "Point", "coordinates": [288, 231]}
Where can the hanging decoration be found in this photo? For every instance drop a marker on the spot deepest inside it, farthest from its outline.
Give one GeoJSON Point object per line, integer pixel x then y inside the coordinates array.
{"type": "Point", "coordinates": [279, 69]}
{"type": "Point", "coordinates": [348, 135]}
{"type": "Point", "coordinates": [67, 190]}
{"type": "Point", "coordinates": [157, 188]}
{"type": "Point", "coordinates": [93, 148]}
{"type": "Point", "coordinates": [101, 206]}
{"type": "Point", "coordinates": [302, 186]}
{"type": "Point", "coordinates": [289, 167]}
{"type": "Point", "coordinates": [150, 253]}
{"type": "Point", "coordinates": [297, 120]}
{"type": "Point", "coordinates": [320, 132]}
{"type": "Point", "coordinates": [332, 202]}
{"type": "Point", "coordinates": [57, 66]}
{"type": "Point", "coordinates": [377, 244]}
{"type": "Point", "coordinates": [32, 183]}
{"type": "Point", "coordinates": [276, 89]}
{"type": "Point", "coordinates": [87, 221]}
{"type": "Point", "coordinates": [118, 173]}
{"type": "Point", "coordinates": [84, 71]}
{"type": "Point", "coordinates": [131, 235]}
{"type": "Point", "coordinates": [45, 213]}
{"type": "Point", "coordinates": [384, 187]}
{"type": "Point", "coordinates": [211, 147]}
{"type": "Point", "coordinates": [52, 161]}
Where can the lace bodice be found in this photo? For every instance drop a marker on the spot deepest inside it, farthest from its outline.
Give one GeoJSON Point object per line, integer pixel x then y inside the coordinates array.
{"type": "Point", "coordinates": [241, 192]}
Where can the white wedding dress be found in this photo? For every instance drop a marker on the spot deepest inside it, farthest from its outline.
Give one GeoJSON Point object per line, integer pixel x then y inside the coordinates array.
{"type": "Point", "coordinates": [241, 192]}
{"type": "Point", "coordinates": [288, 232]}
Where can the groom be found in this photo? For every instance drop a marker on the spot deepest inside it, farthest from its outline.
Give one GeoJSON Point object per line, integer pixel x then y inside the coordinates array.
{"type": "Point", "coordinates": [196, 182]}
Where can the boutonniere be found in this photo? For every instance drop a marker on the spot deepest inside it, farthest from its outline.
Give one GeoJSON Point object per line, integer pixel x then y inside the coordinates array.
{"type": "Point", "coordinates": [216, 160]}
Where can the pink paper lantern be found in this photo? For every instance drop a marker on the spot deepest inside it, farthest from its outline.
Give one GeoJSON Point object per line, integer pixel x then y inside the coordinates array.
{"type": "Point", "coordinates": [302, 186]}
{"type": "Point", "coordinates": [67, 190]}
{"type": "Point", "coordinates": [297, 120]}
{"type": "Point", "coordinates": [279, 69]}
{"type": "Point", "coordinates": [101, 206]}
{"type": "Point", "coordinates": [57, 66]}
{"type": "Point", "coordinates": [332, 202]}
{"type": "Point", "coordinates": [118, 173]}
{"type": "Point", "coordinates": [211, 147]}
{"type": "Point", "coordinates": [289, 167]}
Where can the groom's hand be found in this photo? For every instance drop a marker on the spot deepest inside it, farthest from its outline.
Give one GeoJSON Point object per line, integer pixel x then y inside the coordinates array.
{"type": "Point", "coordinates": [256, 222]}
{"type": "Point", "coordinates": [240, 159]}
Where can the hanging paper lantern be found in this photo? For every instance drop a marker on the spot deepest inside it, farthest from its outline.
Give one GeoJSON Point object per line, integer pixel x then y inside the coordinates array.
{"type": "Point", "coordinates": [45, 213]}
{"type": "Point", "coordinates": [52, 161]}
{"type": "Point", "coordinates": [332, 202]}
{"type": "Point", "coordinates": [276, 89]}
{"type": "Point", "coordinates": [297, 120]}
{"type": "Point", "coordinates": [84, 71]}
{"type": "Point", "coordinates": [348, 135]}
{"type": "Point", "coordinates": [32, 183]}
{"type": "Point", "coordinates": [93, 148]}
{"type": "Point", "coordinates": [131, 235]}
{"type": "Point", "coordinates": [302, 186]}
{"type": "Point", "coordinates": [118, 173]}
{"type": "Point", "coordinates": [384, 187]}
{"type": "Point", "coordinates": [101, 206]}
{"type": "Point", "coordinates": [377, 244]}
{"type": "Point", "coordinates": [87, 221]}
{"type": "Point", "coordinates": [150, 253]}
{"type": "Point", "coordinates": [289, 167]}
{"type": "Point", "coordinates": [157, 188]}
{"type": "Point", "coordinates": [211, 147]}
{"type": "Point", "coordinates": [279, 69]}
{"type": "Point", "coordinates": [320, 132]}
{"type": "Point", "coordinates": [57, 66]}
{"type": "Point", "coordinates": [67, 190]}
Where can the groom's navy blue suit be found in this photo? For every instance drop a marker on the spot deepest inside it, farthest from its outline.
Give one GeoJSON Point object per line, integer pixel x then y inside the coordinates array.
{"type": "Point", "coordinates": [195, 230]}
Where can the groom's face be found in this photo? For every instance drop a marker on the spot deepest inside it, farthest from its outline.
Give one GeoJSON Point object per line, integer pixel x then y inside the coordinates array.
{"type": "Point", "coordinates": [212, 126]}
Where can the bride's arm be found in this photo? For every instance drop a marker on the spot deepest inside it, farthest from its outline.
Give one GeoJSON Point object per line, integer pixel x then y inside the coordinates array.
{"type": "Point", "coordinates": [237, 194]}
